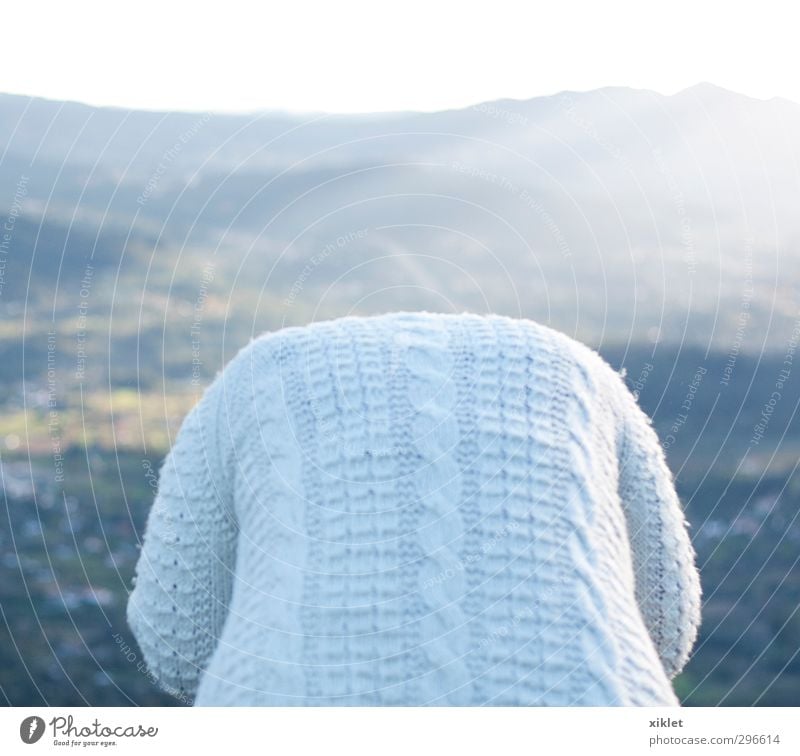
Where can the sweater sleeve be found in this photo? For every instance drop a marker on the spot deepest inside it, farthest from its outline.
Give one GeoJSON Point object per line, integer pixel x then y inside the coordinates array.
{"type": "Point", "coordinates": [667, 580]}
{"type": "Point", "coordinates": [183, 577]}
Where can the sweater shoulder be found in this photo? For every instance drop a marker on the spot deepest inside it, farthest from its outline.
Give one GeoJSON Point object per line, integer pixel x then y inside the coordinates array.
{"type": "Point", "coordinates": [284, 343]}
{"type": "Point", "coordinates": [594, 368]}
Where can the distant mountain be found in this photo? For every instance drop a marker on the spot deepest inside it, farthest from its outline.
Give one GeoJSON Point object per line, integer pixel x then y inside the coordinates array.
{"type": "Point", "coordinates": [614, 214]}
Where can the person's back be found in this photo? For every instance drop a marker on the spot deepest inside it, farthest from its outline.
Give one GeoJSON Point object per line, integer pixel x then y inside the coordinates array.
{"type": "Point", "coordinates": [417, 509]}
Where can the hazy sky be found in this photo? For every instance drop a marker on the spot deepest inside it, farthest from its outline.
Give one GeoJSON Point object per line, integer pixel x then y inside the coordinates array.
{"type": "Point", "coordinates": [347, 56]}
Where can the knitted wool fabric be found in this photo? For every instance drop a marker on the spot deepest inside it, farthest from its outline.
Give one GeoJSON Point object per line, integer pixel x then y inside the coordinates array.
{"type": "Point", "coordinates": [416, 509]}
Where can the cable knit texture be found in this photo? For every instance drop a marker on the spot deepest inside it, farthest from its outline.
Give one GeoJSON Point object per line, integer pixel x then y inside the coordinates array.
{"type": "Point", "coordinates": [417, 509]}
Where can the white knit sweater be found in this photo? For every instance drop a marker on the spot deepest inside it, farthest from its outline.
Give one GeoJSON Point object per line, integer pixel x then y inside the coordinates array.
{"type": "Point", "coordinates": [417, 509]}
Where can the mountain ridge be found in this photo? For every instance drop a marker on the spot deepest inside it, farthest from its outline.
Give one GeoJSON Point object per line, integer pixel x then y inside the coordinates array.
{"type": "Point", "coordinates": [699, 87]}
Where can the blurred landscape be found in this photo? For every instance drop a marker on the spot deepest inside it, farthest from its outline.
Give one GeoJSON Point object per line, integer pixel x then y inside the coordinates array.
{"type": "Point", "coordinates": [139, 251]}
